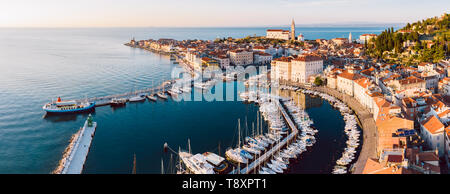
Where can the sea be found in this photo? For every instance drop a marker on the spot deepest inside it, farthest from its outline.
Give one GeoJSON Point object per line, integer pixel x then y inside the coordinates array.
{"type": "Point", "coordinates": [37, 65]}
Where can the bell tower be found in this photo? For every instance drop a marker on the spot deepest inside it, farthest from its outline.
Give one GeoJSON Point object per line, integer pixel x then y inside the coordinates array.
{"type": "Point", "coordinates": [293, 30]}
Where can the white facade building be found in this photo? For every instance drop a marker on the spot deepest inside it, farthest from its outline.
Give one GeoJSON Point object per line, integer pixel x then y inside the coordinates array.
{"type": "Point", "coordinates": [306, 66]}
{"type": "Point", "coordinates": [241, 57]}
{"type": "Point", "coordinates": [278, 34]}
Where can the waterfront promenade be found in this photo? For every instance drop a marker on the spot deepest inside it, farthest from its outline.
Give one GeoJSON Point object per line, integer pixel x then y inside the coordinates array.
{"type": "Point", "coordinates": [369, 128]}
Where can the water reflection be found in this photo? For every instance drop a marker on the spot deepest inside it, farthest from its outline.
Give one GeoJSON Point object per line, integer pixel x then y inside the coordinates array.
{"type": "Point", "coordinates": [305, 101]}
{"type": "Point", "coordinates": [56, 118]}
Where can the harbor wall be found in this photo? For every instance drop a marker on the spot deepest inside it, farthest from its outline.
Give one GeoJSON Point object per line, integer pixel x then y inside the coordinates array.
{"type": "Point", "coordinates": [368, 125]}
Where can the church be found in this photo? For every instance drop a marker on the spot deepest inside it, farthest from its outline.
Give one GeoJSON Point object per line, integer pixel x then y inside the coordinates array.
{"type": "Point", "coordinates": [283, 34]}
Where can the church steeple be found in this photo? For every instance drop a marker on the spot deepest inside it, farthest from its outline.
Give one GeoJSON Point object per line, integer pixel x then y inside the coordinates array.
{"type": "Point", "coordinates": [293, 29]}
{"type": "Point", "coordinates": [350, 39]}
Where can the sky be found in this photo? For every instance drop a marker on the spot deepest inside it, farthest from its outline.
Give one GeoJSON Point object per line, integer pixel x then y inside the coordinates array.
{"type": "Point", "coordinates": [213, 13]}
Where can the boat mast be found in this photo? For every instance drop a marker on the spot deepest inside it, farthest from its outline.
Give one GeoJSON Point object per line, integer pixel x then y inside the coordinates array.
{"type": "Point", "coordinates": [189, 145]}
{"type": "Point", "coordinates": [239, 143]}
{"type": "Point", "coordinates": [162, 166]}
{"type": "Point", "coordinates": [134, 164]}
{"type": "Point", "coordinates": [257, 121]}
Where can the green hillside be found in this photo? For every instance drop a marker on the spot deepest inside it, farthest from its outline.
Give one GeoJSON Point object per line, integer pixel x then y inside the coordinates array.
{"type": "Point", "coordinates": [422, 41]}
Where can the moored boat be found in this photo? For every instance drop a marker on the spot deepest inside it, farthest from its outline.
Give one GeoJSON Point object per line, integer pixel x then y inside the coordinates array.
{"type": "Point", "coordinates": [151, 97]}
{"type": "Point", "coordinates": [118, 102]}
{"type": "Point", "coordinates": [70, 106]}
{"type": "Point", "coordinates": [162, 95]}
{"type": "Point", "coordinates": [138, 98]}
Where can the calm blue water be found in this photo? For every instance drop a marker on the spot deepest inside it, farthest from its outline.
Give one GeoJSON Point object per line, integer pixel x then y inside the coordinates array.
{"type": "Point", "coordinates": [37, 65]}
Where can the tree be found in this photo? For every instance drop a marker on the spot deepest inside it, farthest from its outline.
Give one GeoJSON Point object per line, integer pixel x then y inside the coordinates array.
{"type": "Point", "coordinates": [318, 81]}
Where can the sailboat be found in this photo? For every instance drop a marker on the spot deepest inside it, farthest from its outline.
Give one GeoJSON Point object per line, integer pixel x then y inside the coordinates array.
{"type": "Point", "coordinates": [137, 98]}
{"type": "Point", "coordinates": [162, 94]}
{"type": "Point", "coordinates": [235, 155]}
{"type": "Point", "coordinates": [151, 96]}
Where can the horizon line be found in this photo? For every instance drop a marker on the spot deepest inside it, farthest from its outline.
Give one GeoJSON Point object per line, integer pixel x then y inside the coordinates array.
{"type": "Point", "coordinates": [240, 26]}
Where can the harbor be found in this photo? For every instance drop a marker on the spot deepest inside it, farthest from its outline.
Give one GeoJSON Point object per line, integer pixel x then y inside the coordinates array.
{"type": "Point", "coordinates": [76, 153]}
{"type": "Point", "coordinates": [261, 153]}
{"type": "Point", "coordinates": [272, 151]}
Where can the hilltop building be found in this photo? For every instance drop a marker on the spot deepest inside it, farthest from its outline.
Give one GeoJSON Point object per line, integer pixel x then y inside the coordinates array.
{"type": "Point", "coordinates": [282, 34]}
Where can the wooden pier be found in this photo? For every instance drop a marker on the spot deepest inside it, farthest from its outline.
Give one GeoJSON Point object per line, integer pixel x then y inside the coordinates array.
{"type": "Point", "coordinates": [266, 156]}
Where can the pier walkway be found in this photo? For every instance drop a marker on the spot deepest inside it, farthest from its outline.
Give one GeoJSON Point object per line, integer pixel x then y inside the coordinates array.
{"type": "Point", "coordinates": [78, 154]}
{"type": "Point", "coordinates": [266, 156]}
{"type": "Point", "coordinates": [105, 100]}
{"type": "Point", "coordinates": [369, 127]}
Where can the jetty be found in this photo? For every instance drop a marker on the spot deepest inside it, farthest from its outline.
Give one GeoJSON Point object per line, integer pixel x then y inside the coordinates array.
{"type": "Point", "coordinates": [77, 152]}
{"type": "Point", "coordinates": [267, 155]}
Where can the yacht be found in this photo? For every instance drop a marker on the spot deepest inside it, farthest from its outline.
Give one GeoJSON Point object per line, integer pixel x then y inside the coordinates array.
{"type": "Point", "coordinates": [138, 98]}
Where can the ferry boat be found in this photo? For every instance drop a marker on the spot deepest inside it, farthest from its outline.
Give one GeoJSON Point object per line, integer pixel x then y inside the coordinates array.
{"type": "Point", "coordinates": [70, 106]}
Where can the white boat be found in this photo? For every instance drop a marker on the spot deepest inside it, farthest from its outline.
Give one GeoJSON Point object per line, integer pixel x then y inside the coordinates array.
{"type": "Point", "coordinates": [196, 164]}
{"type": "Point", "coordinates": [280, 164]}
{"type": "Point", "coordinates": [268, 170]}
{"type": "Point", "coordinates": [234, 156]}
{"type": "Point", "coordinates": [162, 95]}
{"type": "Point", "coordinates": [275, 168]}
{"type": "Point", "coordinates": [152, 97]}
{"type": "Point", "coordinates": [138, 98]}
{"type": "Point", "coordinates": [251, 150]}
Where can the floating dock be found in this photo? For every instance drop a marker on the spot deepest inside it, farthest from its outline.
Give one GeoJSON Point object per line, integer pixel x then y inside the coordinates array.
{"type": "Point", "coordinates": [266, 156]}
{"type": "Point", "coordinates": [77, 154]}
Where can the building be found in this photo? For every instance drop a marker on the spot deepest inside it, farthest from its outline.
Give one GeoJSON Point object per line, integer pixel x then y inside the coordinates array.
{"type": "Point", "coordinates": [432, 132]}
{"type": "Point", "coordinates": [223, 60]}
{"type": "Point", "coordinates": [207, 62]}
{"type": "Point", "coordinates": [350, 38]}
{"type": "Point", "coordinates": [425, 67]}
{"type": "Point", "coordinates": [346, 80]}
{"type": "Point", "coordinates": [340, 41]}
{"type": "Point", "coordinates": [281, 69]}
{"type": "Point", "coordinates": [447, 146]}
{"type": "Point", "coordinates": [411, 82]}
{"type": "Point", "coordinates": [306, 66]}
{"type": "Point", "coordinates": [301, 37]}
{"type": "Point", "coordinates": [366, 38]}
{"type": "Point", "coordinates": [262, 58]}
{"type": "Point", "coordinates": [278, 34]}
{"type": "Point", "coordinates": [299, 69]}
{"type": "Point", "coordinates": [423, 162]}
{"type": "Point", "coordinates": [241, 57]}
{"type": "Point", "coordinates": [194, 59]}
